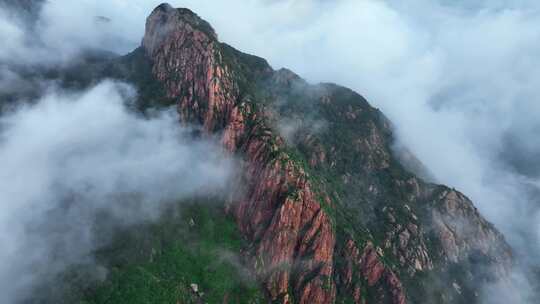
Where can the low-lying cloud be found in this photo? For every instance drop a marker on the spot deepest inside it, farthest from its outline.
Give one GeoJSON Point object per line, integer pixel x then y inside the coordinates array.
{"type": "Point", "coordinates": [71, 157]}
{"type": "Point", "coordinates": [458, 79]}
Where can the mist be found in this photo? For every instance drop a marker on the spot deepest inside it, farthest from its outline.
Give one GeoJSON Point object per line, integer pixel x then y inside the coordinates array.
{"type": "Point", "coordinates": [72, 157]}
{"type": "Point", "coordinates": [459, 80]}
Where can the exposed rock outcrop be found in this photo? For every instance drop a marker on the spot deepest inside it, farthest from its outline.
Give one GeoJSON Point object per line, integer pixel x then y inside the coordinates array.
{"type": "Point", "coordinates": [363, 270]}
{"type": "Point", "coordinates": [290, 232]}
{"type": "Point", "coordinates": [303, 208]}
{"type": "Point", "coordinates": [463, 232]}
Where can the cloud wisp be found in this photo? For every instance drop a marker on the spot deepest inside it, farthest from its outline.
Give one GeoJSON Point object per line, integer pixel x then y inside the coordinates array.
{"type": "Point", "coordinates": [71, 157]}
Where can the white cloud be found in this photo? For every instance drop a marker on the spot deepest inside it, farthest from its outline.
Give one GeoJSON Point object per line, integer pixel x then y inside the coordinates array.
{"type": "Point", "coordinates": [459, 79]}
{"type": "Point", "coordinates": [455, 79]}
{"type": "Point", "coordinates": [71, 156]}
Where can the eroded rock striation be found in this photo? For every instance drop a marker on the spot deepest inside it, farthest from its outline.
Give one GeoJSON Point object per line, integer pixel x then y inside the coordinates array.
{"type": "Point", "coordinates": [330, 214]}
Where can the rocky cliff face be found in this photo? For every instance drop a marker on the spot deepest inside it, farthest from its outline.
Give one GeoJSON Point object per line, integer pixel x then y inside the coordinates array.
{"type": "Point", "coordinates": [329, 212]}
{"type": "Point", "coordinates": [279, 211]}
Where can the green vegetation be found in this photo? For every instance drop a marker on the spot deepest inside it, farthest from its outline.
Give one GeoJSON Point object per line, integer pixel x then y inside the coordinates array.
{"type": "Point", "coordinates": [157, 262]}
{"type": "Point", "coordinates": [200, 245]}
{"type": "Point", "coordinates": [135, 68]}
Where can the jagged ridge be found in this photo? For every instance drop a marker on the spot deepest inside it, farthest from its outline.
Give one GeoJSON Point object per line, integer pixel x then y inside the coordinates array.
{"type": "Point", "coordinates": [331, 216]}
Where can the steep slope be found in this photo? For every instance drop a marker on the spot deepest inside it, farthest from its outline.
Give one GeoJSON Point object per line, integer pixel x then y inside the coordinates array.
{"type": "Point", "coordinates": [279, 211]}
{"type": "Point", "coordinates": [324, 210]}
{"type": "Point", "coordinates": [329, 212]}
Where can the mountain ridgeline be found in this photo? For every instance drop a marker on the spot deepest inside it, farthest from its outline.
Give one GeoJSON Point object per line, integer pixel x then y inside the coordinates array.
{"type": "Point", "coordinates": [326, 213]}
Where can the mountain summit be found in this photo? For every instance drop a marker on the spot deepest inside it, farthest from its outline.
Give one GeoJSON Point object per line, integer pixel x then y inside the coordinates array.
{"type": "Point", "coordinates": [166, 21]}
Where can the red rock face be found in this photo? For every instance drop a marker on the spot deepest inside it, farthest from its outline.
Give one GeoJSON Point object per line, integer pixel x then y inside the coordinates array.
{"type": "Point", "coordinates": [187, 61]}
{"type": "Point", "coordinates": [366, 264]}
{"type": "Point", "coordinates": [462, 230]}
{"type": "Point", "coordinates": [293, 237]}
{"type": "Point", "coordinates": [294, 233]}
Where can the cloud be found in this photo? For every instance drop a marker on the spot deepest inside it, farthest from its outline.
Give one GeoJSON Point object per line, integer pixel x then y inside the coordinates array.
{"type": "Point", "coordinates": [71, 157]}
{"type": "Point", "coordinates": [289, 128]}
{"type": "Point", "coordinates": [458, 79]}
{"type": "Point", "coordinates": [11, 33]}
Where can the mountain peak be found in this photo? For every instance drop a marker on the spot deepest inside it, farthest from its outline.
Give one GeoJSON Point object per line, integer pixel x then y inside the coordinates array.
{"type": "Point", "coordinates": [166, 21]}
{"type": "Point", "coordinates": [379, 245]}
{"type": "Point", "coordinates": [164, 7]}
